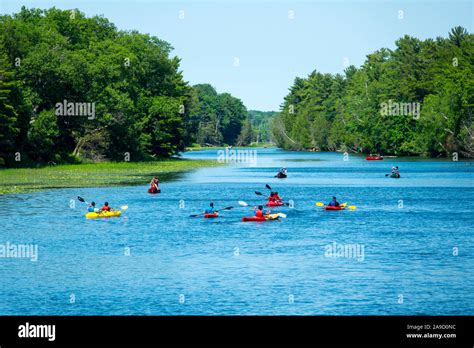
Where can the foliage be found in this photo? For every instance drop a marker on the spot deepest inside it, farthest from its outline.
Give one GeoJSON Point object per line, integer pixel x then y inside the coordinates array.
{"type": "Point", "coordinates": [414, 100]}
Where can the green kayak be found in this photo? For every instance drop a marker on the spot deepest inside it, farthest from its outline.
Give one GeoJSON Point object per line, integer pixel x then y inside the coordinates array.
{"type": "Point", "coordinates": [395, 175]}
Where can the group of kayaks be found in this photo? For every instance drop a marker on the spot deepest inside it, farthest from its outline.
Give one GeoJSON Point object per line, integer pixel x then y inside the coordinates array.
{"type": "Point", "coordinates": [282, 173]}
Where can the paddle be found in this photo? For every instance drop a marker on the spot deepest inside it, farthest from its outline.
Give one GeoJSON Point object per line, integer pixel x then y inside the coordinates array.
{"type": "Point", "coordinates": [195, 215]}
{"type": "Point", "coordinates": [80, 199]}
{"type": "Point", "coordinates": [351, 207]}
{"type": "Point", "coordinates": [268, 187]}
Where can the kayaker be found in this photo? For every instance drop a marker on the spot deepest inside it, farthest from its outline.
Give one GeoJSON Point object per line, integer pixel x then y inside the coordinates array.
{"type": "Point", "coordinates": [92, 208]}
{"type": "Point", "coordinates": [334, 202]}
{"type": "Point", "coordinates": [210, 210]}
{"type": "Point", "coordinates": [259, 212]}
{"type": "Point", "coordinates": [154, 184]}
{"type": "Point", "coordinates": [284, 171]}
{"type": "Point", "coordinates": [106, 207]}
{"type": "Point", "coordinates": [277, 197]}
{"type": "Point", "coordinates": [397, 171]}
{"type": "Point", "coordinates": [271, 198]}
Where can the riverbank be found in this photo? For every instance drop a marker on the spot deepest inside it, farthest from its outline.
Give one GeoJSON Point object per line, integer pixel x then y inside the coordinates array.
{"type": "Point", "coordinates": [20, 180]}
{"type": "Point", "coordinates": [197, 147]}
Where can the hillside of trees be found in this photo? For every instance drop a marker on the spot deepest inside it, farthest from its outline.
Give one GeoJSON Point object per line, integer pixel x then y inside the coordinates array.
{"type": "Point", "coordinates": [262, 123]}
{"type": "Point", "coordinates": [414, 100]}
{"type": "Point", "coordinates": [74, 88]}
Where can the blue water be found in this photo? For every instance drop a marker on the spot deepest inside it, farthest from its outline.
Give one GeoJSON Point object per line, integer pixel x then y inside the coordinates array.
{"type": "Point", "coordinates": [189, 266]}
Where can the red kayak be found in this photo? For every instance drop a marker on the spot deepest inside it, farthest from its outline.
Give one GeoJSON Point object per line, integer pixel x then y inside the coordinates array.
{"type": "Point", "coordinates": [211, 216]}
{"type": "Point", "coordinates": [150, 190]}
{"type": "Point", "coordinates": [262, 218]}
{"type": "Point", "coordinates": [330, 207]}
{"type": "Point", "coordinates": [274, 204]}
{"type": "Point", "coordinates": [374, 158]}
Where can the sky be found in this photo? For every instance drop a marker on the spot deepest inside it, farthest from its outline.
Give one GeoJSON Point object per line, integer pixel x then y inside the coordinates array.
{"type": "Point", "coordinates": [255, 49]}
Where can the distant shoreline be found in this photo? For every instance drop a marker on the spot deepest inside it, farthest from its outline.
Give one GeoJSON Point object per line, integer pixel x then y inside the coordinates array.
{"type": "Point", "coordinates": [23, 180]}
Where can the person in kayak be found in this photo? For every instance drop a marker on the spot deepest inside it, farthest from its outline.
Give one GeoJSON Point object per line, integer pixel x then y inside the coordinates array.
{"type": "Point", "coordinates": [154, 184]}
{"type": "Point", "coordinates": [271, 198]}
{"type": "Point", "coordinates": [334, 202]}
{"type": "Point", "coordinates": [259, 212]}
{"type": "Point", "coordinates": [277, 198]}
{"type": "Point", "coordinates": [284, 171]}
{"type": "Point", "coordinates": [210, 210]}
{"type": "Point", "coordinates": [92, 208]}
{"type": "Point", "coordinates": [106, 207]}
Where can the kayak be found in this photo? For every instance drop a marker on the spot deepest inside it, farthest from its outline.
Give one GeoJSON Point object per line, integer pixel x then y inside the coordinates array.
{"type": "Point", "coordinates": [281, 176]}
{"type": "Point", "coordinates": [328, 207]}
{"type": "Point", "coordinates": [274, 204]}
{"type": "Point", "coordinates": [211, 216]}
{"type": "Point", "coordinates": [104, 214]}
{"type": "Point", "coordinates": [340, 207]}
{"type": "Point", "coordinates": [263, 218]}
{"type": "Point", "coordinates": [150, 190]}
{"type": "Point", "coordinates": [374, 158]}
{"type": "Point", "coordinates": [395, 175]}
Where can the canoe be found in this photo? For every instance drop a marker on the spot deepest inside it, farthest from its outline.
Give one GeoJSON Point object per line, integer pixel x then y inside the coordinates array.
{"type": "Point", "coordinates": [150, 190]}
{"type": "Point", "coordinates": [274, 204]}
{"type": "Point", "coordinates": [261, 219]}
{"type": "Point", "coordinates": [211, 216]}
{"type": "Point", "coordinates": [104, 214]}
{"type": "Point", "coordinates": [374, 158]}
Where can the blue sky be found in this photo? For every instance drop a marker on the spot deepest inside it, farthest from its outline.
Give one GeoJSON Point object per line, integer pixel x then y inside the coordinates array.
{"type": "Point", "coordinates": [271, 48]}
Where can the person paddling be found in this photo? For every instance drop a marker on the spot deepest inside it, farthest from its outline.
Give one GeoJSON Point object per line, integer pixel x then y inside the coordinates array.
{"type": "Point", "coordinates": [277, 198]}
{"type": "Point", "coordinates": [210, 210]}
{"type": "Point", "coordinates": [154, 184]}
{"type": "Point", "coordinates": [271, 198]}
{"type": "Point", "coordinates": [259, 212]}
{"type": "Point", "coordinates": [334, 202]}
{"type": "Point", "coordinates": [92, 208]}
{"type": "Point", "coordinates": [106, 207]}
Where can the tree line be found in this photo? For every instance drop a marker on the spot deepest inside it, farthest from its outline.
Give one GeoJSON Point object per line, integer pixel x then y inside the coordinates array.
{"type": "Point", "coordinates": [416, 99]}
{"type": "Point", "coordinates": [74, 89]}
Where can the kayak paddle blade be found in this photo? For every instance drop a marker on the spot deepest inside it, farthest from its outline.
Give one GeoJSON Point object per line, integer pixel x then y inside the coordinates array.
{"type": "Point", "coordinates": [258, 193]}
{"type": "Point", "coordinates": [124, 207]}
{"type": "Point", "coordinates": [319, 204]}
{"type": "Point", "coordinates": [282, 215]}
{"type": "Point", "coordinates": [80, 199]}
{"type": "Point", "coordinates": [352, 207]}
{"type": "Point", "coordinates": [243, 204]}
{"type": "Point", "coordinates": [268, 186]}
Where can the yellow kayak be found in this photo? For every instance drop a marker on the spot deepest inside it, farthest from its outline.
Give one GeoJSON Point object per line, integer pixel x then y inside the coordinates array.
{"type": "Point", "coordinates": [104, 214]}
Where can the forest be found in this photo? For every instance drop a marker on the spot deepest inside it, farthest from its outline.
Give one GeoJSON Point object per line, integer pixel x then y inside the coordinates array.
{"type": "Point", "coordinates": [76, 89]}
{"type": "Point", "coordinates": [416, 99]}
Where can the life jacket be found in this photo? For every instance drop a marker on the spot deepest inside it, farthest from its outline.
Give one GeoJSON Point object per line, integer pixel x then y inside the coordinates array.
{"type": "Point", "coordinates": [105, 208]}
{"type": "Point", "coordinates": [277, 198]}
{"type": "Point", "coordinates": [259, 213]}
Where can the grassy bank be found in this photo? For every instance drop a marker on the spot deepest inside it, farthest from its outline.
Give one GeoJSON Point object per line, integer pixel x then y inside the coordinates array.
{"type": "Point", "coordinates": [93, 175]}
{"type": "Point", "coordinates": [197, 147]}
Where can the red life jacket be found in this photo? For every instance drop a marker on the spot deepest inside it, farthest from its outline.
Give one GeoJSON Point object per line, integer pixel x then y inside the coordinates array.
{"type": "Point", "coordinates": [259, 213]}
{"type": "Point", "coordinates": [105, 208]}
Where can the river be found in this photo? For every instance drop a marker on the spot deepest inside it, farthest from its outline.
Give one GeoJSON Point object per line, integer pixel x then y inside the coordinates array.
{"type": "Point", "coordinates": [407, 249]}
